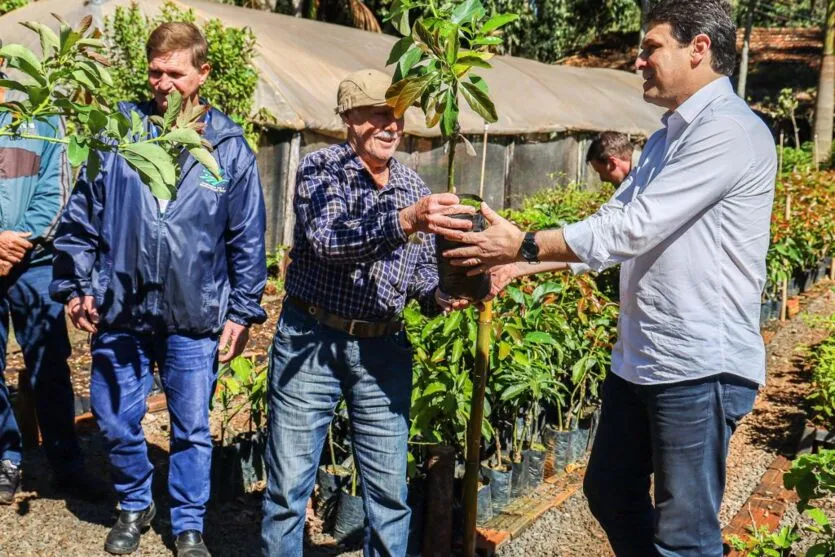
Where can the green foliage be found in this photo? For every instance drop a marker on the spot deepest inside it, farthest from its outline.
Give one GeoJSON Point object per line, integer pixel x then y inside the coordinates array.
{"type": "Point", "coordinates": [797, 13]}
{"type": "Point", "coordinates": [434, 59]}
{"type": "Point", "coordinates": [241, 385]}
{"type": "Point", "coordinates": [231, 86]}
{"type": "Point", "coordinates": [822, 362]}
{"type": "Point", "coordinates": [553, 346]}
{"type": "Point", "coordinates": [71, 71]}
{"type": "Point", "coordinates": [8, 5]}
{"type": "Point", "coordinates": [764, 543]}
{"type": "Point", "coordinates": [808, 235]}
{"type": "Point", "coordinates": [812, 476]}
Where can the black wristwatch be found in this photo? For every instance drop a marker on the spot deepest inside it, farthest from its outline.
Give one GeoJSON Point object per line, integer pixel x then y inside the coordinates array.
{"type": "Point", "coordinates": [529, 250]}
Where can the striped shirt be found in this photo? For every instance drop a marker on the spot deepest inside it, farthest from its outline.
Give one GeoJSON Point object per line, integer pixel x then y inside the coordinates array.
{"type": "Point", "coordinates": [350, 254]}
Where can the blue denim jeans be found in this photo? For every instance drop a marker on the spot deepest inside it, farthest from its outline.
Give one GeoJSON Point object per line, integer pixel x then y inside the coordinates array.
{"type": "Point", "coordinates": [312, 366]}
{"type": "Point", "coordinates": [679, 432]}
{"type": "Point", "coordinates": [121, 381]}
{"type": "Point", "coordinates": [41, 332]}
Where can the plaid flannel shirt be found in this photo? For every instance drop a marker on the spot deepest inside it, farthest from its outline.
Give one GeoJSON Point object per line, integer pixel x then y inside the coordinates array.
{"type": "Point", "coordinates": [350, 255]}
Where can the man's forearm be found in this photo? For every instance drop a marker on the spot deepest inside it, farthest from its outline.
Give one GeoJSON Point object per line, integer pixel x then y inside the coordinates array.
{"type": "Point", "coordinates": [554, 248]}
{"type": "Point", "coordinates": [525, 269]}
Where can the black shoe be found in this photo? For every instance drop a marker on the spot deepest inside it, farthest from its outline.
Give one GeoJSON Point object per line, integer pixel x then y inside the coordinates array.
{"type": "Point", "coordinates": [190, 544]}
{"type": "Point", "coordinates": [123, 538]}
{"type": "Point", "coordinates": [81, 485]}
{"type": "Point", "coordinates": [9, 481]}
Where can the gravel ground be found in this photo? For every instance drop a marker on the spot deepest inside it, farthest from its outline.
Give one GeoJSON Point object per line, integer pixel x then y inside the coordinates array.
{"type": "Point", "coordinates": [571, 531]}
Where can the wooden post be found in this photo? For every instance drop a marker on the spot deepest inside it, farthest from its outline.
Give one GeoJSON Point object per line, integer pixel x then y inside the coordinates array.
{"type": "Point", "coordinates": [27, 418]}
{"type": "Point", "coordinates": [483, 162]}
{"type": "Point", "coordinates": [784, 309]}
{"type": "Point", "coordinates": [471, 473]}
{"type": "Point", "coordinates": [832, 268]}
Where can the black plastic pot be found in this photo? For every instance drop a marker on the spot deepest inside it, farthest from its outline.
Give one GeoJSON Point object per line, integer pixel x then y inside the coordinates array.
{"type": "Point", "coordinates": [350, 519]}
{"type": "Point", "coordinates": [415, 500]}
{"type": "Point", "coordinates": [563, 450]}
{"type": "Point", "coordinates": [251, 448]}
{"type": "Point", "coordinates": [331, 480]}
{"type": "Point", "coordinates": [500, 486]}
{"type": "Point", "coordinates": [580, 441]}
{"type": "Point", "coordinates": [533, 467]}
{"type": "Point", "coordinates": [454, 280]}
{"type": "Point", "coordinates": [226, 477]}
{"type": "Point", "coordinates": [484, 505]}
{"type": "Point", "coordinates": [517, 480]}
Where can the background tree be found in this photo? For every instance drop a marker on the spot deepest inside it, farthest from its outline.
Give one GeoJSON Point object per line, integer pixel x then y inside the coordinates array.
{"type": "Point", "coordinates": [826, 88]}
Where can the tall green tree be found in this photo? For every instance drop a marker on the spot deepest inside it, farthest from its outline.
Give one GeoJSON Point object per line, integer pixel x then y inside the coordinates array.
{"type": "Point", "coordinates": [825, 106]}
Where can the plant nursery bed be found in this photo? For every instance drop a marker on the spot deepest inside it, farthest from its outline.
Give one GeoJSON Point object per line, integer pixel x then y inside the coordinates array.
{"type": "Point", "coordinates": [524, 511]}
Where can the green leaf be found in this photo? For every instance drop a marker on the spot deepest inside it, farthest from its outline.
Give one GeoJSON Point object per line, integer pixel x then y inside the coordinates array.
{"type": "Point", "coordinates": [403, 94]}
{"type": "Point", "coordinates": [184, 136]}
{"type": "Point", "coordinates": [453, 322]}
{"type": "Point", "coordinates": [504, 350]}
{"type": "Point", "coordinates": [12, 84]}
{"type": "Point", "coordinates": [473, 62]}
{"type": "Point", "coordinates": [818, 516]}
{"type": "Point", "coordinates": [97, 121]}
{"type": "Point", "coordinates": [452, 44]}
{"type": "Point", "coordinates": [479, 101]}
{"type": "Point", "coordinates": [513, 391]}
{"type": "Point", "coordinates": [93, 165]}
{"type": "Point", "coordinates": [498, 20]}
{"type": "Point", "coordinates": [457, 350]}
{"type": "Point", "coordinates": [449, 119]}
{"type": "Point", "coordinates": [539, 337]}
{"type": "Point", "coordinates": [49, 40]}
{"type": "Point", "coordinates": [408, 61]}
{"type": "Point", "coordinates": [399, 50]}
{"type": "Point", "coordinates": [175, 104]}
{"type": "Point", "coordinates": [83, 78]}
{"type": "Point", "coordinates": [467, 11]}
{"type": "Point", "coordinates": [487, 41]}
{"type": "Point", "coordinates": [157, 156]}
{"type": "Point", "coordinates": [20, 57]}
{"type": "Point", "coordinates": [150, 173]}
{"type": "Point", "coordinates": [77, 150]}
{"type": "Point", "coordinates": [204, 157]}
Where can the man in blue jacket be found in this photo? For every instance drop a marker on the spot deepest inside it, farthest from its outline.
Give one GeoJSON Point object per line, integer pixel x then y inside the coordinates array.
{"type": "Point", "coordinates": [34, 183]}
{"type": "Point", "coordinates": [168, 283]}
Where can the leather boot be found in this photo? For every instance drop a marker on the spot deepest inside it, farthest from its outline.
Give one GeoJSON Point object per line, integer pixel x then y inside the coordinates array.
{"type": "Point", "coordinates": [190, 544]}
{"type": "Point", "coordinates": [123, 538]}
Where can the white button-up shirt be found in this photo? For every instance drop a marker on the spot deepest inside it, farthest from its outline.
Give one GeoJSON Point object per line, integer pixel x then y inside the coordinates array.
{"type": "Point", "coordinates": [690, 228]}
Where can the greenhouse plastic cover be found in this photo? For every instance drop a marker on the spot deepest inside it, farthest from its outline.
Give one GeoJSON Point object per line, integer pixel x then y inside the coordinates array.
{"type": "Point", "coordinates": [300, 63]}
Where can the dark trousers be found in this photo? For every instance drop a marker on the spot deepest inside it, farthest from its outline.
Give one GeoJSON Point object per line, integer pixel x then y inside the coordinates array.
{"type": "Point", "coordinates": [41, 332]}
{"type": "Point", "coordinates": [678, 432]}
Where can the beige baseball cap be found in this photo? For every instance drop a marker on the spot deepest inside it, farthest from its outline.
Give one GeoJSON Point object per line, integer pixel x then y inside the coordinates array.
{"type": "Point", "coordinates": [362, 88]}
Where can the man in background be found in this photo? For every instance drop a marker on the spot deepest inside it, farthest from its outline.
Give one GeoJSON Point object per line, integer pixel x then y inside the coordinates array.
{"type": "Point", "coordinates": [610, 155]}
{"type": "Point", "coordinates": [34, 184]}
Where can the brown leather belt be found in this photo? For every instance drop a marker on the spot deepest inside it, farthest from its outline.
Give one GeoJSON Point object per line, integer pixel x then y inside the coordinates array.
{"type": "Point", "coordinates": [354, 327]}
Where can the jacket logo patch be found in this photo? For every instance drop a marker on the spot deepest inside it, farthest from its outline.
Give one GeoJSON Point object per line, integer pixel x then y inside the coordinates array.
{"type": "Point", "coordinates": [208, 181]}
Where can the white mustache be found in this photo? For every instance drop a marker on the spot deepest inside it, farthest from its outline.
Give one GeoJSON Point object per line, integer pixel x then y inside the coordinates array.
{"type": "Point", "coordinates": [387, 136]}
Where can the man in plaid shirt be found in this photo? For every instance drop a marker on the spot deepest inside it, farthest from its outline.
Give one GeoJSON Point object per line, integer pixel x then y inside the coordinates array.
{"type": "Point", "coordinates": [361, 250]}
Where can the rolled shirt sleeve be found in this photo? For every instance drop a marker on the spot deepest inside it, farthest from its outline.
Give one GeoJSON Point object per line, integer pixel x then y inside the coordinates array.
{"type": "Point", "coordinates": [697, 175]}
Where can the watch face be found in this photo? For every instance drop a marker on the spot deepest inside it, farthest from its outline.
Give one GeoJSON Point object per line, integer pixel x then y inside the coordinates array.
{"type": "Point", "coordinates": [530, 251]}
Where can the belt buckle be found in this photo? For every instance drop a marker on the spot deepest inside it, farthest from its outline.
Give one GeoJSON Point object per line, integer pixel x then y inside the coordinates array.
{"type": "Point", "coordinates": [351, 324]}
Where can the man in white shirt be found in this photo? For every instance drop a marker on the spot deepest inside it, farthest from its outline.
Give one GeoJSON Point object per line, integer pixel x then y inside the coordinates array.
{"type": "Point", "coordinates": [690, 228]}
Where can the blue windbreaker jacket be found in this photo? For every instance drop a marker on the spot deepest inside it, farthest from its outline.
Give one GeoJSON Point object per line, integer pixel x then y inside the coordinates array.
{"type": "Point", "coordinates": [184, 271]}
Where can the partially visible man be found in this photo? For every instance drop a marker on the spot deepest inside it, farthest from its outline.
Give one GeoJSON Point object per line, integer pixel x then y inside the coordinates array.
{"type": "Point", "coordinates": [690, 228]}
{"type": "Point", "coordinates": [169, 284]}
{"type": "Point", "coordinates": [360, 252]}
{"type": "Point", "coordinates": [34, 184]}
{"type": "Point", "coordinates": [610, 155]}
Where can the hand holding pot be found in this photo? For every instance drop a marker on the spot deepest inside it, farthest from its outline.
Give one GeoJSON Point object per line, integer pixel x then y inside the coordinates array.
{"type": "Point", "coordinates": [497, 245]}
{"type": "Point", "coordinates": [431, 214]}
{"type": "Point", "coordinates": [448, 303]}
